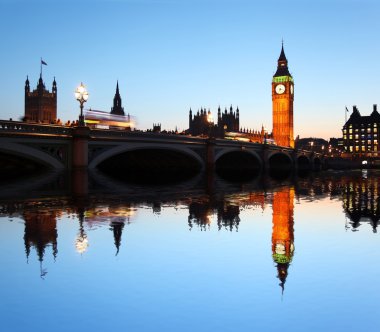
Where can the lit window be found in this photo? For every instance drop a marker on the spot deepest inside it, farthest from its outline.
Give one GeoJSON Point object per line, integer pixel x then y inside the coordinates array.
{"type": "Point", "coordinates": [375, 130]}
{"type": "Point", "coordinates": [344, 131]}
{"type": "Point", "coordinates": [350, 136]}
{"type": "Point", "coordinates": [356, 136]}
{"type": "Point", "coordinates": [344, 136]}
{"type": "Point", "coordinates": [356, 148]}
{"type": "Point", "coordinates": [368, 130]}
{"type": "Point", "coordinates": [369, 142]}
{"type": "Point", "coordinates": [350, 131]}
{"type": "Point", "coordinates": [351, 148]}
{"type": "Point", "coordinates": [363, 148]}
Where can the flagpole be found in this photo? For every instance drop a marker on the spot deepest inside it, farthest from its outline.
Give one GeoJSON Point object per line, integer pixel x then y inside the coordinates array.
{"type": "Point", "coordinates": [345, 115]}
{"type": "Point", "coordinates": [41, 67]}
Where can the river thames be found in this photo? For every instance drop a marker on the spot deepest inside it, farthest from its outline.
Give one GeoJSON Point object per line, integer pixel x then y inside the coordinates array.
{"type": "Point", "coordinates": [86, 252]}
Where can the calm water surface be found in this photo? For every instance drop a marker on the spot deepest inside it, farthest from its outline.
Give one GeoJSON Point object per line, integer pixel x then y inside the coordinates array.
{"type": "Point", "coordinates": [82, 252]}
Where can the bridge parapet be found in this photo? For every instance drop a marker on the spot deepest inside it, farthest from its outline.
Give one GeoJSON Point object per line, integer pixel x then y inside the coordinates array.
{"type": "Point", "coordinates": [309, 153]}
{"type": "Point", "coordinates": [11, 127]}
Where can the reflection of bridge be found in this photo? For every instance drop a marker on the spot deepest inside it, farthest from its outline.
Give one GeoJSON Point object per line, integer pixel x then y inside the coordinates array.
{"type": "Point", "coordinates": [60, 147]}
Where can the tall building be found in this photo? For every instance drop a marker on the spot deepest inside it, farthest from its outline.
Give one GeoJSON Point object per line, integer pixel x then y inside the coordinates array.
{"type": "Point", "coordinates": [117, 109]}
{"type": "Point", "coordinates": [40, 104]}
{"type": "Point", "coordinates": [282, 103]}
{"type": "Point", "coordinates": [283, 232]}
{"type": "Point", "coordinates": [360, 134]}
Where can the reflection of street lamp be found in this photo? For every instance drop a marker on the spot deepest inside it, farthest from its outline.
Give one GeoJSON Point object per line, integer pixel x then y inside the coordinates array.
{"type": "Point", "coordinates": [81, 243]}
{"type": "Point", "coordinates": [81, 95]}
{"type": "Point", "coordinates": [311, 145]}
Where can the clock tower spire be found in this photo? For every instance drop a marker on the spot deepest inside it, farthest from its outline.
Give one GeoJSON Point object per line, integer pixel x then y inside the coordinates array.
{"type": "Point", "coordinates": [282, 103]}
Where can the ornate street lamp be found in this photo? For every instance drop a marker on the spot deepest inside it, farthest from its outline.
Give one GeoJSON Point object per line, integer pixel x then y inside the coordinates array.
{"type": "Point", "coordinates": [81, 95]}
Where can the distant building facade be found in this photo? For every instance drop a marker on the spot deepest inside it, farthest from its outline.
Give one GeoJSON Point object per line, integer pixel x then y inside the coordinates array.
{"type": "Point", "coordinates": [40, 104]}
{"type": "Point", "coordinates": [282, 103]}
{"type": "Point", "coordinates": [202, 123]}
{"type": "Point", "coordinates": [360, 134]}
{"type": "Point", "coordinates": [227, 126]}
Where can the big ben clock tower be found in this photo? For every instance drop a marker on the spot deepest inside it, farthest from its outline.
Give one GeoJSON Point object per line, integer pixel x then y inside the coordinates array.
{"type": "Point", "coordinates": [282, 101]}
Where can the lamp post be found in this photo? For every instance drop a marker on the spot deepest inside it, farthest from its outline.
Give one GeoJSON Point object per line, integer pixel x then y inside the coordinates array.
{"type": "Point", "coordinates": [81, 95]}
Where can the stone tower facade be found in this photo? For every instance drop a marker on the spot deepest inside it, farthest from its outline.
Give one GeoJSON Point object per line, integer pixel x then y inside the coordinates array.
{"type": "Point", "coordinates": [282, 103]}
{"type": "Point", "coordinates": [40, 104]}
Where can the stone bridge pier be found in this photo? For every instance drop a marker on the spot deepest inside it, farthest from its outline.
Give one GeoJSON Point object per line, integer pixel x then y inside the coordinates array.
{"type": "Point", "coordinates": [80, 140]}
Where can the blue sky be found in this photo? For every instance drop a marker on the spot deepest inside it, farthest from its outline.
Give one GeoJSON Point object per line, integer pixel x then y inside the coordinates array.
{"type": "Point", "coordinates": [172, 55]}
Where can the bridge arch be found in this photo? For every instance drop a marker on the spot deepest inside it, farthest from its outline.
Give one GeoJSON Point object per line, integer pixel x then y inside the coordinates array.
{"type": "Point", "coordinates": [280, 162]}
{"type": "Point", "coordinates": [33, 154]}
{"type": "Point", "coordinates": [222, 152]}
{"type": "Point", "coordinates": [125, 148]}
{"type": "Point", "coordinates": [149, 163]}
{"type": "Point", "coordinates": [317, 164]}
{"type": "Point", "coordinates": [237, 163]}
{"type": "Point", "coordinates": [303, 163]}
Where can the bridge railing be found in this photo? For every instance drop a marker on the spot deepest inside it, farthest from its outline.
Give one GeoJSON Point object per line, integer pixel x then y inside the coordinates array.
{"type": "Point", "coordinates": [29, 128]}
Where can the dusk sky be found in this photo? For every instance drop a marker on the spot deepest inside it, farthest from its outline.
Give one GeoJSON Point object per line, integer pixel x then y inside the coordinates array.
{"type": "Point", "coordinates": [170, 55]}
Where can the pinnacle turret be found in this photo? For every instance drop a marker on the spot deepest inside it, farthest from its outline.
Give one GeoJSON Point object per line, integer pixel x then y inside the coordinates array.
{"type": "Point", "coordinates": [282, 66]}
{"type": "Point", "coordinates": [117, 108]}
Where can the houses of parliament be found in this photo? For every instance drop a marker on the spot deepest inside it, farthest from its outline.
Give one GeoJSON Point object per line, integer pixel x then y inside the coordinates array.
{"type": "Point", "coordinates": [41, 106]}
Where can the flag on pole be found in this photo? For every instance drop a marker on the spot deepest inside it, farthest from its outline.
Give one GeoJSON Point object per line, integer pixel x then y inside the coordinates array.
{"type": "Point", "coordinates": [43, 62]}
{"type": "Point", "coordinates": [345, 114]}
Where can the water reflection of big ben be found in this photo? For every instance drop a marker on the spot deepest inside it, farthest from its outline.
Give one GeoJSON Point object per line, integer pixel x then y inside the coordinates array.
{"type": "Point", "coordinates": [283, 231]}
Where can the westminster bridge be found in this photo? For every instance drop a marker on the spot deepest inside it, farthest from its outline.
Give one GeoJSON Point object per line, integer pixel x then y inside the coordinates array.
{"type": "Point", "coordinates": [62, 147]}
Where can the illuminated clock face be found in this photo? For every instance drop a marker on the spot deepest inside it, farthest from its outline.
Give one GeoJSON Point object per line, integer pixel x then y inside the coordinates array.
{"type": "Point", "coordinates": [291, 89]}
{"type": "Point", "coordinates": [280, 249]}
{"type": "Point", "coordinates": [280, 89]}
